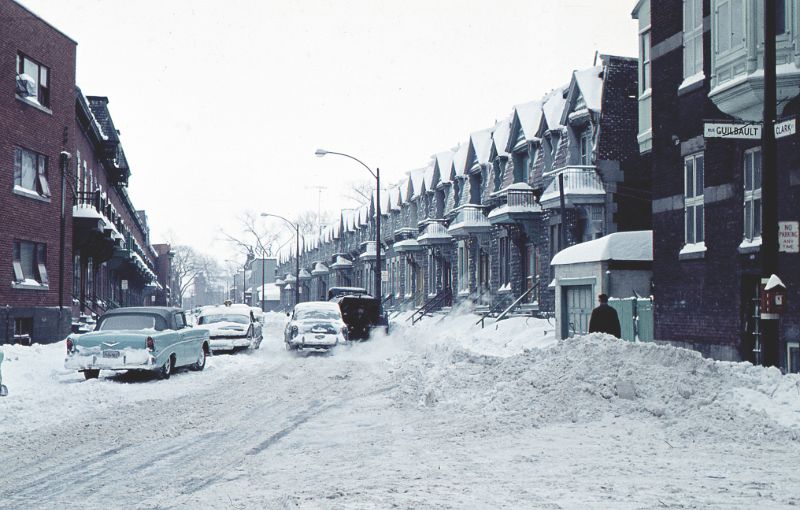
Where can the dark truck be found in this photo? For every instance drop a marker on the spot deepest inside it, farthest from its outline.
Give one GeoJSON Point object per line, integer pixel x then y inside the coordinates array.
{"type": "Point", "coordinates": [361, 312]}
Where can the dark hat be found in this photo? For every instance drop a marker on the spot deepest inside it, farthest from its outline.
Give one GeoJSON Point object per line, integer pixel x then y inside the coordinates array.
{"type": "Point", "coordinates": [603, 298]}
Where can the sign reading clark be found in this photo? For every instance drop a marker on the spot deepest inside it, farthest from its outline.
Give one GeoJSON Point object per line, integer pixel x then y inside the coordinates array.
{"type": "Point", "coordinates": [789, 236]}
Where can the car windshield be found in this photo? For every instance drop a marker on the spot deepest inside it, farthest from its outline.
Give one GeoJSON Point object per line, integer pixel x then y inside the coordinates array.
{"type": "Point", "coordinates": [211, 319]}
{"type": "Point", "coordinates": [131, 322]}
{"type": "Point", "coordinates": [326, 314]}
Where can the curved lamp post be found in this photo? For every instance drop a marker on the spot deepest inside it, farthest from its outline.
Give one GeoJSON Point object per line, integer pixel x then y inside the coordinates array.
{"type": "Point", "coordinates": [296, 228]}
{"type": "Point", "coordinates": [377, 175]}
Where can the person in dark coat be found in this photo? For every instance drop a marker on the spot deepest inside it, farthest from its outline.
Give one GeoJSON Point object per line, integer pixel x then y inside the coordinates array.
{"type": "Point", "coordinates": [604, 318]}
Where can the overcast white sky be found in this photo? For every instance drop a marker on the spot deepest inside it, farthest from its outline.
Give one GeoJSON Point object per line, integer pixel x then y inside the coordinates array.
{"type": "Point", "coordinates": [222, 104]}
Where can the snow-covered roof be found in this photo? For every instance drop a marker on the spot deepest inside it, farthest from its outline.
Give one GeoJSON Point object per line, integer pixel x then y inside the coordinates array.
{"type": "Point", "coordinates": [415, 180]}
{"type": "Point", "coordinates": [482, 145]}
{"type": "Point", "coordinates": [270, 291]}
{"type": "Point", "coordinates": [637, 245]}
{"type": "Point", "coordinates": [460, 159]}
{"type": "Point", "coordinates": [529, 115]}
{"type": "Point", "coordinates": [427, 176]}
{"type": "Point", "coordinates": [444, 162]}
{"type": "Point", "coordinates": [590, 83]}
{"type": "Point", "coordinates": [553, 107]}
{"type": "Point", "coordinates": [500, 133]}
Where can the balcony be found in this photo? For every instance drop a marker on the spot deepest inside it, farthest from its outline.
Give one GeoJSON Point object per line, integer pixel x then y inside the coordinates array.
{"type": "Point", "coordinates": [369, 252]}
{"type": "Point", "coordinates": [520, 205]}
{"type": "Point", "coordinates": [582, 185]}
{"type": "Point", "coordinates": [433, 233]}
{"type": "Point", "coordinates": [469, 221]}
{"type": "Point", "coordinates": [405, 233]}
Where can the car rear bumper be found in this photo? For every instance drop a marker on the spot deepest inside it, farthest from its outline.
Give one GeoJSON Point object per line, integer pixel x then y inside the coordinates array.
{"type": "Point", "coordinates": [139, 359]}
{"type": "Point", "coordinates": [315, 341]}
{"type": "Point", "coordinates": [228, 343]}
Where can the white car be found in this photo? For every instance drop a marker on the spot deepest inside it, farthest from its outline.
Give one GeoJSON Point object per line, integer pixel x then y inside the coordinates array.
{"type": "Point", "coordinates": [315, 325]}
{"type": "Point", "coordinates": [231, 328]}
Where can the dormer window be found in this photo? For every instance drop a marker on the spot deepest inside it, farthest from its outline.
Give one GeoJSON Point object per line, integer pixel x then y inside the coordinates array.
{"type": "Point", "coordinates": [585, 142]}
{"type": "Point", "coordinates": [33, 80]}
{"type": "Point", "coordinates": [522, 162]}
{"type": "Point", "coordinates": [580, 103]}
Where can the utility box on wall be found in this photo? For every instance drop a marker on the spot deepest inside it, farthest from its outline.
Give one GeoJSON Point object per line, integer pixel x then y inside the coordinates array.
{"type": "Point", "coordinates": [773, 298]}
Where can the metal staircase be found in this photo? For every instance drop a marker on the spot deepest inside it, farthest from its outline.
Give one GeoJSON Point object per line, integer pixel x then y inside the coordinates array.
{"type": "Point", "coordinates": [517, 308]}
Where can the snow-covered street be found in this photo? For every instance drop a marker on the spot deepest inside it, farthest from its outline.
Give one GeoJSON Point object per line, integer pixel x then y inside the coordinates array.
{"type": "Point", "coordinates": [441, 415]}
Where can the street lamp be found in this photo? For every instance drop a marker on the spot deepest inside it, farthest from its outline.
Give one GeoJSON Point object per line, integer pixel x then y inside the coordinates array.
{"type": "Point", "coordinates": [297, 253]}
{"type": "Point", "coordinates": [377, 175]}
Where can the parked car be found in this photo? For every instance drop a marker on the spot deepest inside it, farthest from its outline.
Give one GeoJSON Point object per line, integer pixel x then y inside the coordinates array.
{"type": "Point", "coordinates": [231, 328]}
{"type": "Point", "coordinates": [3, 389]}
{"type": "Point", "coordinates": [152, 338]}
{"type": "Point", "coordinates": [362, 313]}
{"type": "Point", "coordinates": [315, 325]}
{"type": "Point", "coordinates": [349, 291]}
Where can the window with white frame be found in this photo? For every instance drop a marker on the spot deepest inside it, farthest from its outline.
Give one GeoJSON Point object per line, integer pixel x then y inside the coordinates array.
{"type": "Point", "coordinates": [33, 80]}
{"type": "Point", "coordinates": [729, 33]}
{"type": "Point", "coordinates": [693, 198]}
{"type": "Point", "coordinates": [30, 263]}
{"type": "Point", "coordinates": [30, 171]}
{"type": "Point", "coordinates": [692, 37]}
{"type": "Point", "coordinates": [752, 194]}
{"type": "Point", "coordinates": [585, 142]}
{"type": "Point", "coordinates": [409, 277]}
{"type": "Point", "coordinates": [644, 53]}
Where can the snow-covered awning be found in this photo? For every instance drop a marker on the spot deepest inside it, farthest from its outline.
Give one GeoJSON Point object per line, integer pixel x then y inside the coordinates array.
{"type": "Point", "coordinates": [434, 233]}
{"type": "Point", "coordinates": [341, 263]}
{"type": "Point", "coordinates": [407, 245]}
{"type": "Point", "coordinates": [320, 269]}
{"type": "Point", "coordinates": [635, 246]}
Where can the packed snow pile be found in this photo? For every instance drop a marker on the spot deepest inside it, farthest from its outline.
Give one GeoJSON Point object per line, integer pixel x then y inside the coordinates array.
{"type": "Point", "coordinates": [589, 378]}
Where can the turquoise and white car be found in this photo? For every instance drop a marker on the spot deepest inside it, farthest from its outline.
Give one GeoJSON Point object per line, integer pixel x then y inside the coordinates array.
{"type": "Point", "coordinates": [155, 339]}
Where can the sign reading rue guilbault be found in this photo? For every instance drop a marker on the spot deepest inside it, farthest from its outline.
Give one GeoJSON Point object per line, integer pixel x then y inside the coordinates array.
{"type": "Point", "coordinates": [747, 130]}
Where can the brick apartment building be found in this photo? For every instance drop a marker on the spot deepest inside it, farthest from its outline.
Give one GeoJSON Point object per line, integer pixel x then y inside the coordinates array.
{"type": "Point", "coordinates": [71, 241]}
{"type": "Point", "coordinates": [702, 60]}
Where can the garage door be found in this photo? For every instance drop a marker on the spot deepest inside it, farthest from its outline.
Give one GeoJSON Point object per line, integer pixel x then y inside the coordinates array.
{"type": "Point", "coordinates": [577, 309]}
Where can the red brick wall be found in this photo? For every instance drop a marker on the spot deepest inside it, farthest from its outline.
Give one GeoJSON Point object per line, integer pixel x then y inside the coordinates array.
{"type": "Point", "coordinates": [47, 133]}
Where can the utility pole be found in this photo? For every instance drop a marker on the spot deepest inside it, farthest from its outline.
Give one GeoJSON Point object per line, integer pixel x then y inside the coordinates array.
{"type": "Point", "coordinates": [769, 185]}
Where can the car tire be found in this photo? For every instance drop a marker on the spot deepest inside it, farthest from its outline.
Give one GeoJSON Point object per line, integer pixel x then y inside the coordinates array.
{"type": "Point", "coordinates": [165, 371]}
{"type": "Point", "coordinates": [91, 374]}
{"type": "Point", "coordinates": [200, 364]}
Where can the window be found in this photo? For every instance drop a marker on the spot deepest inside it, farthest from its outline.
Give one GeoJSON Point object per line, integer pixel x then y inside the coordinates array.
{"type": "Point", "coordinates": [76, 276]}
{"type": "Point", "coordinates": [752, 194]}
{"type": "Point", "coordinates": [30, 171]}
{"type": "Point", "coordinates": [730, 25]}
{"type": "Point", "coordinates": [33, 80]}
{"type": "Point", "coordinates": [586, 146]}
{"type": "Point", "coordinates": [555, 239]}
{"type": "Point", "coordinates": [693, 198]}
{"type": "Point", "coordinates": [692, 37]}
{"type": "Point", "coordinates": [29, 263]}
{"type": "Point", "coordinates": [522, 162]}
{"type": "Point", "coordinates": [644, 51]}
{"type": "Point", "coordinates": [463, 267]}
{"type": "Point", "coordinates": [409, 277]}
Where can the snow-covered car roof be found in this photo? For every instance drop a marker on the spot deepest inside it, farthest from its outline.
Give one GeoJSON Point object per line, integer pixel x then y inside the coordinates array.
{"type": "Point", "coordinates": [317, 305]}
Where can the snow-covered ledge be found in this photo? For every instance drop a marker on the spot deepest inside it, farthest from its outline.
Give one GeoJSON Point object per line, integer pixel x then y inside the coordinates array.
{"type": "Point", "coordinates": [693, 251]}
{"type": "Point", "coordinates": [750, 245]}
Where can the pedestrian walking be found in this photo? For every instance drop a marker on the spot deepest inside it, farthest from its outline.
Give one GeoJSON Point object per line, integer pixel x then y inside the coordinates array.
{"type": "Point", "coordinates": [604, 319]}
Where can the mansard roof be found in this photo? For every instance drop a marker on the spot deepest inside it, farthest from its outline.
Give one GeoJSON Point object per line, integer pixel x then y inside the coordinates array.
{"type": "Point", "coordinates": [460, 161]}
{"type": "Point", "coordinates": [525, 117]}
{"type": "Point", "coordinates": [444, 163]}
{"type": "Point", "coordinates": [429, 176]}
{"type": "Point", "coordinates": [481, 145]}
{"type": "Point", "coordinates": [416, 183]}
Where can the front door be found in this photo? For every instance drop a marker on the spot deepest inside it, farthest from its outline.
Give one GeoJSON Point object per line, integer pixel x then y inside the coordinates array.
{"type": "Point", "coordinates": [419, 295]}
{"type": "Point", "coordinates": [576, 310]}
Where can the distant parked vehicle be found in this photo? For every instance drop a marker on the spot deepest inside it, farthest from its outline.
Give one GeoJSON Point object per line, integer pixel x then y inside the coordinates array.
{"type": "Point", "coordinates": [346, 291]}
{"type": "Point", "coordinates": [154, 338]}
{"type": "Point", "coordinates": [315, 325]}
{"type": "Point", "coordinates": [362, 313]}
{"type": "Point", "coordinates": [231, 328]}
{"type": "Point", "coordinates": [3, 389]}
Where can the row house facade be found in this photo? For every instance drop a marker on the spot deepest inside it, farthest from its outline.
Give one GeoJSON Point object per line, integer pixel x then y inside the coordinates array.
{"type": "Point", "coordinates": [482, 220]}
{"type": "Point", "coordinates": [703, 61]}
{"type": "Point", "coordinates": [71, 239]}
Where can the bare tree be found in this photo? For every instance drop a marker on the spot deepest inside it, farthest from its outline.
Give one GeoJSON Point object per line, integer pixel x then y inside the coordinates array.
{"type": "Point", "coordinates": [360, 191]}
{"type": "Point", "coordinates": [187, 264]}
{"type": "Point", "coordinates": [256, 237]}
{"type": "Point", "coordinates": [310, 221]}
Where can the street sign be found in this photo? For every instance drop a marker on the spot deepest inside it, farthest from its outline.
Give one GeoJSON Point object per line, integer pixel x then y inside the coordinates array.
{"type": "Point", "coordinates": [789, 236]}
{"type": "Point", "coordinates": [124, 284]}
{"type": "Point", "coordinates": [747, 130]}
{"type": "Point", "coordinates": [743, 130]}
{"type": "Point", "coordinates": [785, 128]}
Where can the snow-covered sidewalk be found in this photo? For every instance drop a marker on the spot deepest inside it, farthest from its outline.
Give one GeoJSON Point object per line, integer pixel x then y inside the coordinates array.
{"type": "Point", "coordinates": [440, 415]}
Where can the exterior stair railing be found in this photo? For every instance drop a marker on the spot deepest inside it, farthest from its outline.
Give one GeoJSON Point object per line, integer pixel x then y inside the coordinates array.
{"type": "Point", "coordinates": [443, 298]}
{"type": "Point", "coordinates": [504, 314]}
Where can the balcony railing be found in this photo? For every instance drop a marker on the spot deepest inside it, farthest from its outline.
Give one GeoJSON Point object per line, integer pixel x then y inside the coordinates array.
{"type": "Point", "coordinates": [582, 184]}
{"type": "Point", "coordinates": [469, 220]}
{"type": "Point", "coordinates": [520, 204]}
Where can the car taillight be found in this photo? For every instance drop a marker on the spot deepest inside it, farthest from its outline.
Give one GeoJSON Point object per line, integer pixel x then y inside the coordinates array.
{"type": "Point", "coordinates": [70, 345]}
{"type": "Point", "coordinates": [294, 331]}
{"type": "Point", "coordinates": [151, 344]}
